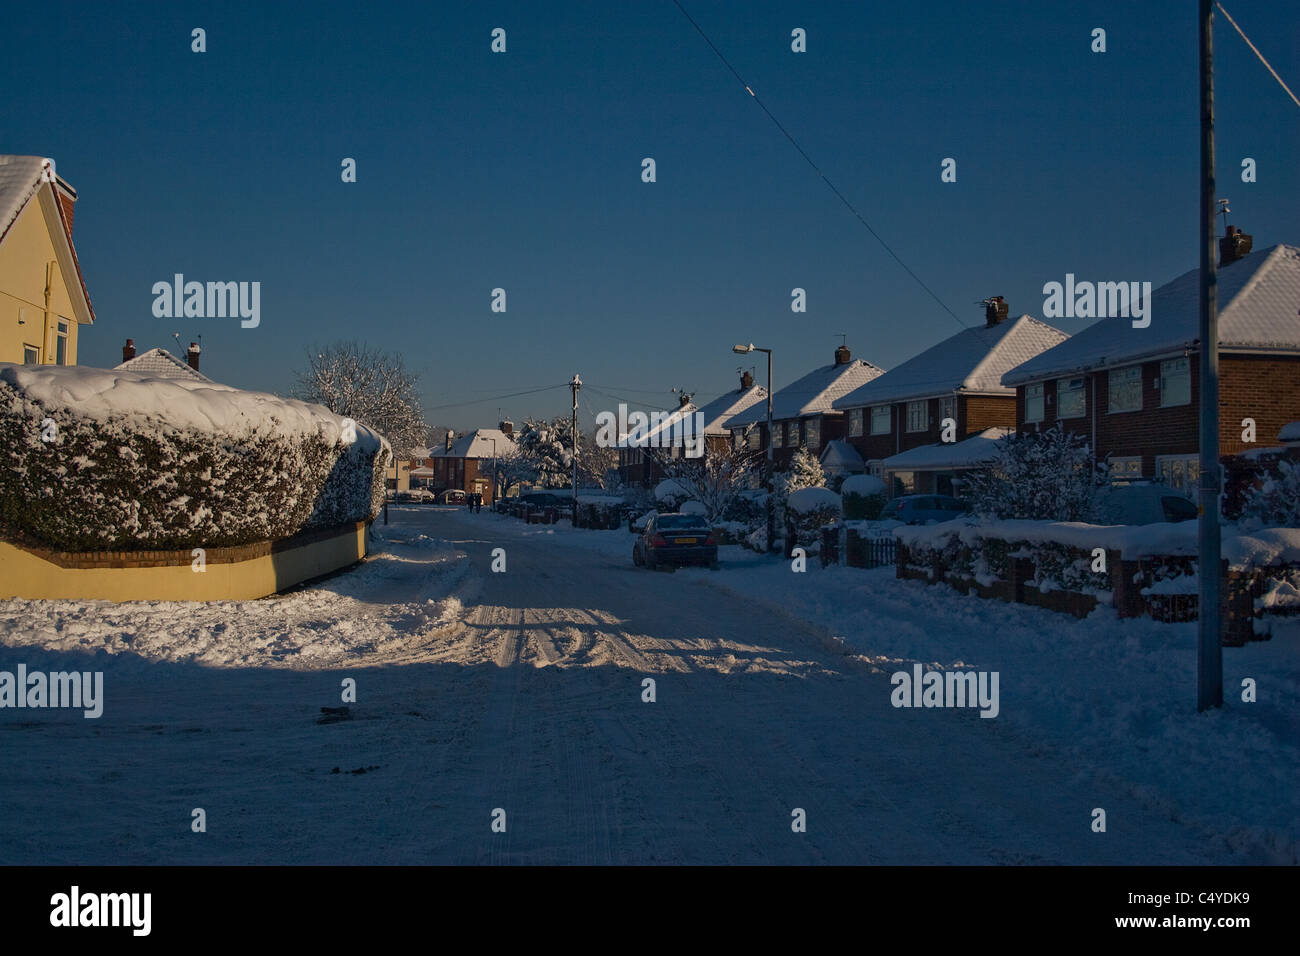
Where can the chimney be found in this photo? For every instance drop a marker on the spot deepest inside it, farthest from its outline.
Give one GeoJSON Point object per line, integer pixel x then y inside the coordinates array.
{"type": "Point", "coordinates": [683, 399]}
{"type": "Point", "coordinates": [128, 350]}
{"type": "Point", "coordinates": [746, 381]}
{"type": "Point", "coordinates": [842, 355]}
{"type": "Point", "coordinates": [451, 435]}
{"type": "Point", "coordinates": [995, 311]}
{"type": "Point", "coordinates": [507, 428]}
{"type": "Point", "coordinates": [1233, 246]}
{"type": "Point", "coordinates": [192, 356]}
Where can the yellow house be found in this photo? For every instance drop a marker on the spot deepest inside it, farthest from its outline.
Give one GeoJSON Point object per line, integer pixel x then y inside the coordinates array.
{"type": "Point", "coordinates": [43, 299]}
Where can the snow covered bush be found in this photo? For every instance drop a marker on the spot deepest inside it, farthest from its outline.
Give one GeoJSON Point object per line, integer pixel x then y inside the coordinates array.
{"type": "Point", "coordinates": [98, 459]}
{"type": "Point", "coordinates": [863, 497]}
{"type": "Point", "coordinates": [669, 495]}
{"type": "Point", "coordinates": [1045, 475]}
{"type": "Point", "coordinates": [805, 472]}
{"type": "Point", "coordinates": [1275, 501]}
{"type": "Point", "coordinates": [807, 511]}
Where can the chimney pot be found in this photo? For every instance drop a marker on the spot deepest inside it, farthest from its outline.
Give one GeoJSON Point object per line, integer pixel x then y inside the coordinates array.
{"type": "Point", "coordinates": [451, 435]}
{"type": "Point", "coordinates": [842, 355]}
{"type": "Point", "coordinates": [192, 356]}
{"type": "Point", "coordinates": [746, 381]}
{"type": "Point", "coordinates": [995, 310]}
{"type": "Point", "coordinates": [128, 350]}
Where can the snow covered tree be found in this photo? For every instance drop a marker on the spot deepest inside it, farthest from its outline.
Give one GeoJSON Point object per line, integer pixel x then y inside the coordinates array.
{"type": "Point", "coordinates": [1275, 501]}
{"type": "Point", "coordinates": [805, 471]}
{"type": "Point", "coordinates": [513, 468]}
{"type": "Point", "coordinates": [546, 446]}
{"type": "Point", "coordinates": [715, 480]}
{"type": "Point", "coordinates": [595, 461]}
{"type": "Point", "coordinates": [368, 386]}
{"type": "Point", "coordinates": [1047, 475]}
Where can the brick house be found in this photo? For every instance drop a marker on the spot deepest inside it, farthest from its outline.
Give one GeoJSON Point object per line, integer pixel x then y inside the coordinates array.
{"type": "Point", "coordinates": [959, 378]}
{"type": "Point", "coordinates": [803, 413]}
{"type": "Point", "coordinates": [637, 466]}
{"type": "Point", "coordinates": [1134, 392]}
{"type": "Point", "coordinates": [466, 462]}
{"type": "Point", "coordinates": [160, 363]}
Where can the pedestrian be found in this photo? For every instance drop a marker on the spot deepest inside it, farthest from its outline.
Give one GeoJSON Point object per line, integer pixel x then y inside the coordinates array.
{"type": "Point", "coordinates": [478, 502]}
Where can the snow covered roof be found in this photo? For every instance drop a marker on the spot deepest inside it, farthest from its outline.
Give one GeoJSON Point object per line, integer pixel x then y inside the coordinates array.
{"type": "Point", "coordinates": [159, 363]}
{"type": "Point", "coordinates": [811, 395]}
{"type": "Point", "coordinates": [1290, 432]}
{"type": "Point", "coordinates": [970, 453]}
{"type": "Point", "coordinates": [419, 453]}
{"type": "Point", "coordinates": [22, 178]}
{"type": "Point", "coordinates": [840, 456]}
{"type": "Point", "coordinates": [1257, 298]}
{"type": "Point", "coordinates": [424, 471]}
{"type": "Point", "coordinates": [477, 444]}
{"type": "Point", "coordinates": [719, 412]}
{"type": "Point", "coordinates": [971, 361]}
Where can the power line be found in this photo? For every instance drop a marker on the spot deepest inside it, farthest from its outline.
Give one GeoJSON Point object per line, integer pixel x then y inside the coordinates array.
{"type": "Point", "coordinates": [1258, 54]}
{"type": "Point", "coordinates": [839, 195]}
{"type": "Point", "coordinates": [493, 398]}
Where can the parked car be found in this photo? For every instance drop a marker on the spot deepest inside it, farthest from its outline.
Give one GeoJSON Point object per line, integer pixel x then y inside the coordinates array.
{"type": "Point", "coordinates": [414, 494]}
{"type": "Point", "coordinates": [1143, 503]}
{"type": "Point", "coordinates": [670, 539]}
{"type": "Point", "coordinates": [452, 496]}
{"type": "Point", "coordinates": [924, 509]}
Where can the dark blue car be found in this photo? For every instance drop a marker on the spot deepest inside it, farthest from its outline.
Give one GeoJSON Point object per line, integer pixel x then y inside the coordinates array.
{"type": "Point", "coordinates": [924, 509]}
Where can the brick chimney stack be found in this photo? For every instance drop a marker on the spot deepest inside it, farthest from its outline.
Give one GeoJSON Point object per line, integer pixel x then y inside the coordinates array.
{"type": "Point", "coordinates": [451, 436]}
{"type": "Point", "coordinates": [1234, 245]}
{"type": "Point", "coordinates": [995, 311]}
{"type": "Point", "coordinates": [192, 356]}
{"type": "Point", "coordinates": [128, 350]}
{"type": "Point", "coordinates": [842, 355]}
{"type": "Point", "coordinates": [683, 399]}
{"type": "Point", "coordinates": [507, 428]}
{"type": "Point", "coordinates": [746, 381]}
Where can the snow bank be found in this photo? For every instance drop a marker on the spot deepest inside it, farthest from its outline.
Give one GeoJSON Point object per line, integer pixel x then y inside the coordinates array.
{"type": "Point", "coordinates": [108, 459]}
{"type": "Point", "coordinates": [862, 485]}
{"type": "Point", "coordinates": [807, 500]}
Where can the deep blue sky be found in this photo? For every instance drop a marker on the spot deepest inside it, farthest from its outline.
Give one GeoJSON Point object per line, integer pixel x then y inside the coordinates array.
{"type": "Point", "coordinates": [522, 171]}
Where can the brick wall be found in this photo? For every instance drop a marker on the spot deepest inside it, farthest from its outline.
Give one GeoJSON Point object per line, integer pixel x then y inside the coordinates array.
{"type": "Point", "coordinates": [978, 412]}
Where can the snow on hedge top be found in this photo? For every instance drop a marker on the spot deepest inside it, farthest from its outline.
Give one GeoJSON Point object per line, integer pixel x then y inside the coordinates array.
{"type": "Point", "coordinates": [810, 499]}
{"type": "Point", "coordinates": [143, 401]}
{"type": "Point", "coordinates": [862, 485]}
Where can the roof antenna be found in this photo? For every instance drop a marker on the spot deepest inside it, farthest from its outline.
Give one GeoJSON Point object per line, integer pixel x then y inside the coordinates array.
{"type": "Point", "coordinates": [1223, 211]}
{"type": "Point", "coordinates": [844, 338]}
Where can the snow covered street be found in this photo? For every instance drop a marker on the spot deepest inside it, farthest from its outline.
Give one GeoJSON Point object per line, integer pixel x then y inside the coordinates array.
{"type": "Point", "coordinates": [523, 691]}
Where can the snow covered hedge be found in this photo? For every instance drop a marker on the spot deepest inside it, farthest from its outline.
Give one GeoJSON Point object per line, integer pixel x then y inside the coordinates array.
{"type": "Point", "coordinates": [807, 511]}
{"type": "Point", "coordinates": [99, 459]}
{"type": "Point", "coordinates": [863, 497]}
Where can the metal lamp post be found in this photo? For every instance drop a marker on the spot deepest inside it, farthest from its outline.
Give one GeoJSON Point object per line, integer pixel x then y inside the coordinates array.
{"type": "Point", "coordinates": [494, 473]}
{"type": "Point", "coordinates": [771, 461]}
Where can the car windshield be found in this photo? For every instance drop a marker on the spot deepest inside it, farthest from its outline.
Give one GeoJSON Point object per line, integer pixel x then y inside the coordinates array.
{"type": "Point", "coordinates": [679, 522]}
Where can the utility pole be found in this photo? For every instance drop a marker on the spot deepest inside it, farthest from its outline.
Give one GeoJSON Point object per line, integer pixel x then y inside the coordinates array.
{"type": "Point", "coordinates": [574, 386]}
{"type": "Point", "coordinates": [1209, 660]}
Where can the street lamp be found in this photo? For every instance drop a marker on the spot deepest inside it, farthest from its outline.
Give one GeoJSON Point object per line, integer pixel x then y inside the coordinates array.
{"type": "Point", "coordinates": [494, 473]}
{"type": "Point", "coordinates": [771, 462]}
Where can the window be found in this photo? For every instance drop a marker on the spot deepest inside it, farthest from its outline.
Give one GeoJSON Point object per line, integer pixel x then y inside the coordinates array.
{"type": "Point", "coordinates": [880, 424]}
{"type": "Point", "coordinates": [31, 355]}
{"type": "Point", "coordinates": [792, 434]}
{"type": "Point", "coordinates": [948, 408]}
{"type": "Point", "coordinates": [1070, 399]}
{"type": "Point", "coordinates": [855, 422]}
{"type": "Point", "coordinates": [777, 431]}
{"type": "Point", "coordinates": [1126, 389]}
{"type": "Point", "coordinates": [812, 433]}
{"type": "Point", "coordinates": [754, 438]}
{"type": "Point", "coordinates": [1123, 470]}
{"type": "Point", "coordinates": [1034, 402]}
{"type": "Point", "coordinates": [876, 467]}
{"type": "Point", "coordinates": [61, 344]}
{"type": "Point", "coordinates": [738, 439]}
{"type": "Point", "coordinates": [1175, 382]}
{"type": "Point", "coordinates": [918, 416]}
{"type": "Point", "coordinates": [1179, 471]}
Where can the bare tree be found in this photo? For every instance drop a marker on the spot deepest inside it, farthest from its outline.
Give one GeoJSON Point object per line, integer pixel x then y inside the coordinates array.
{"type": "Point", "coordinates": [368, 386]}
{"type": "Point", "coordinates": [716, 479]}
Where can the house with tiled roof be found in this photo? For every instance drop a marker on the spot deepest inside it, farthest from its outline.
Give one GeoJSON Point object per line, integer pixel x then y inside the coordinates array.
{"type": "Point", "coordinates": [804, 412]}
{"type": "Point", "coordinates": [959, 379]}
{"type": "Point", "coordinates": [636, 455]}
{"type": "Point", "coordinates": [159, 363]}
{"type": "Point", "coordinates": [1133, 392]}
{"type": "Point", "coordinates": [43, 298]}
{"type": "Point", "coordinates": [465, 462]}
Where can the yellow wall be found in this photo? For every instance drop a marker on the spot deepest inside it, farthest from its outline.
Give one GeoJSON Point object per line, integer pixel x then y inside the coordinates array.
{"type": "Point", "coordinates": [26, 250]}
{"type": "Point", "coordinates": [26, 575]}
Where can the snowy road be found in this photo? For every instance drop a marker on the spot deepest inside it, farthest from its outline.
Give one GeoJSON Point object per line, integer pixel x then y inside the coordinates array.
{"type": "Point", "coordinates": [521, 691]}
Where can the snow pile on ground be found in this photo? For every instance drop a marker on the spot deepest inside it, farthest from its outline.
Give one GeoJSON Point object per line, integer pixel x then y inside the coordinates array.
{"type": "Point", "coordinates": [98, 459]}
{"type": "Point", "coordinates": [1115, 696]}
